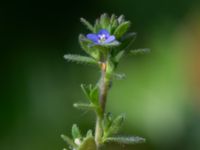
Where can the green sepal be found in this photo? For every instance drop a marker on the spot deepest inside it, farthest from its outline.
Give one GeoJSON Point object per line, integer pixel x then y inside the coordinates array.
{"type": "Point", "coordinates": [126, 140]}
{"type": "Point", "coordinates": [88, 144]}
{"type": "Point", "coordinates": [87, 24]}
{"type": "Point", "coordinates": [68, 140]}
{"type": "Point", "coordinates": [122, 29]}
{"type": "Point", "coordinates": [80, 59]}
{"type": "Point", "coordinates": [140, 51]}
{"type": "Point", "coordinates": [76, 133]}
{"type": "Point", "coordinates": [86, 46]}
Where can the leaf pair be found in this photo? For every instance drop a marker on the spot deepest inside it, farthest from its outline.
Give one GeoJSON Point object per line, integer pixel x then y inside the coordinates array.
{"type": "Point", "coordinates": [112, 126]}
{"type": "Point", "coordinates": [91, 92]}
{"type": "Point", "coordinates": [79, 142]}
{"type": "Point", "coordinates": [77, 137]}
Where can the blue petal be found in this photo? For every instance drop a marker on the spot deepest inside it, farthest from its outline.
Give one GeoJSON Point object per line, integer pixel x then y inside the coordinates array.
{"type": "Point", "coordinates": [92, 37]}
{"type": "Point", "coordinates": [104, 31]}
{"type": "Point", "coordinates": [110, 39]}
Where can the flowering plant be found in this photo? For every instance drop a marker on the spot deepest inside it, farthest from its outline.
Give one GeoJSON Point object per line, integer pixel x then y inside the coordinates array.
{"type": "Point", "coordinates": [107, 43]}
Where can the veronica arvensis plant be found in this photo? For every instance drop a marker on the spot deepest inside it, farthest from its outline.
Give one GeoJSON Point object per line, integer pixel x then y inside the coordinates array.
{"type": "Point", "coordinates": [107, 42]}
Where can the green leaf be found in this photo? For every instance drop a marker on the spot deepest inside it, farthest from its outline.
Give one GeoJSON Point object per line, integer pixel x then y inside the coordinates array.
{"type": "Point", "coordinates": [140, 51]}
{"type": "Point", "coordinates": [86, 90]}
{"type": "Point", "coordinates": [121, 19]}
{"type": "Point", "coordinates": [119, 76]}
{"type": "Point", "coordinates": [86, 46]}
{"type": "Point", "coordinates": [89, 133]}
{"type": "Point", "coordinates": [83, 106]}
{"type": "Point", "coordinates": [88, 144]}
{"type": "Point", "coordinates": [80, 59]}
{"type": "Point", "coordinates": [127, 40]}
{"type": "Point", "coordinates": [68, 140]}
{"type": "Point", "coordinates": [126, 140]}
{"type": "Point", "coordinates": [112, 44]}
{"type": "Point", "coordinates": [115, 126]}
{"type": "Point", "coordinates": [97, 26]}
{"type": "Point", "coordinates": [112, 18]}
{"type": "Point", "coordinates": [119, 56]}
{"type": "Point", "coordinates": [76, 132]}
{"type": "Point", "coordinates": [107, 121]}
{"type": "Point", "coordinates": [87, 24]}
{"type": "Point", "coordinates": [105, 21]}
{"type": "Point", "coordinates": [114, 25]}
{"type": "Point", "coordinates": [92, 93]}
{"type": "Point", "coordinates": [122, 29]}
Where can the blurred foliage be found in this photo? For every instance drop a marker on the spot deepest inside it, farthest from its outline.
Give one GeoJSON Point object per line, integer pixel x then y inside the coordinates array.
{"type": "Point", "coordinates": [161, 89]}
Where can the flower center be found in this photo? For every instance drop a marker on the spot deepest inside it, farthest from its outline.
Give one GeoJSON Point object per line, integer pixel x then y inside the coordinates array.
{"type": "Point", "coordinates": [102, 38]}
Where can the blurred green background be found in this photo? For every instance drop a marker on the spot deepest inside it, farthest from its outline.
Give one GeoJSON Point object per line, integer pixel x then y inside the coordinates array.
{"type": "Point", "coordinates": [160, 95]}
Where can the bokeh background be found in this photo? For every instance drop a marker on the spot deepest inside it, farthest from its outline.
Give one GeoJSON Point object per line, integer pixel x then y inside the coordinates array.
{"type": "Point", "coordinates": [160, 95]}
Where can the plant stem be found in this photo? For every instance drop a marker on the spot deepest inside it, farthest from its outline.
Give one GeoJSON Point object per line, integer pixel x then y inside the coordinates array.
{"type": "Point", "coordinates": [103, 87]}
{"type": "Point", "coordinates": [102, 100]}
{"type": "Point", "coordinates": [98, 131]}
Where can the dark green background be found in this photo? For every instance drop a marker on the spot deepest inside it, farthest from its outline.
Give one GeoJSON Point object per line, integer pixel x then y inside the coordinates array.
{"type": "Point", "coordinates": [39, 86]}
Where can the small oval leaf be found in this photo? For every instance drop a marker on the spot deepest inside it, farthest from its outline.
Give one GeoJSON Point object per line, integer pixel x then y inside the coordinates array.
{"type": "Point", "coordinates": [76, 132]}
{"type": "Point", "coordinates": [122, 29]}
{"type": "Point", "coordinates": [68, 140]}
{"type": "Point", "coordinates": [88, 144]}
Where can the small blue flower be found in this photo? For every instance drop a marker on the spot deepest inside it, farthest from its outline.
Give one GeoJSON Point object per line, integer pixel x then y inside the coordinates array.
{"type": "Point", "coordinates": [103, 37]}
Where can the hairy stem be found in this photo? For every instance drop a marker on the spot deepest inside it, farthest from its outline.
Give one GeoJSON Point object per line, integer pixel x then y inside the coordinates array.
{"type": "Point", "coordinates": [98, 131]}
{"type": "Point", "coordinates": [103, 87]}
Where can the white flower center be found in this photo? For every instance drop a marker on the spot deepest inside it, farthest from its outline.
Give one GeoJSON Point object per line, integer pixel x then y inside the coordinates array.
{"type": "Point", "coordinates": [77, 141]}
{"type": "Point", "coordinates": [102, 38]}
